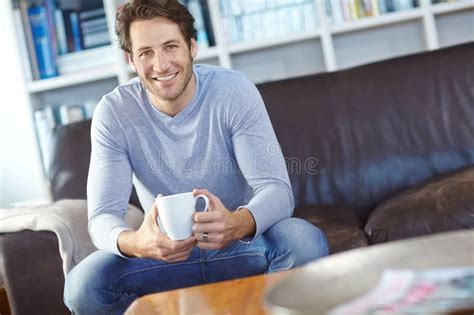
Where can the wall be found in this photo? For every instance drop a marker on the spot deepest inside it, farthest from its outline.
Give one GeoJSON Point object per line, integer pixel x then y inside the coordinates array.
{"type": "Point", "coordinates": [20, 168]}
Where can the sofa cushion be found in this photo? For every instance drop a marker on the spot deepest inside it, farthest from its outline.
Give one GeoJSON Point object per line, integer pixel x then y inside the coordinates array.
{"type": "Point", "coordinates": [442, 204]}
{"type": "Point", "coordinates": [340, 224]}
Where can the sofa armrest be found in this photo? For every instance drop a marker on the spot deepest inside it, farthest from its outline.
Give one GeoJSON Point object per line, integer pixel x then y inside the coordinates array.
{"type": "Point", "coordinates": [32, 272]}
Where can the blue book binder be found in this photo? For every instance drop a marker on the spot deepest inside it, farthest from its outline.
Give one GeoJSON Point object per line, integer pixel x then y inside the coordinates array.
{"type": "Point", "coordinates": [76, 31]}
{"type": "Point", "coordinates": [42, 42]}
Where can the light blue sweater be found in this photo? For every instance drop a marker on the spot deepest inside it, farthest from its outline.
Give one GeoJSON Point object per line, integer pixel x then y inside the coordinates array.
{"type": "Point", "coordinates": [222, 141]}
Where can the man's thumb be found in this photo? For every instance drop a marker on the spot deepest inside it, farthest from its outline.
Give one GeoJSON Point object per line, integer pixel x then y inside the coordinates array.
{"type": "Point", "coordinates": [154, 209]}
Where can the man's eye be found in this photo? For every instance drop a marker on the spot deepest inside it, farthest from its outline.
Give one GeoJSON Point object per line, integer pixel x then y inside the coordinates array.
{"type": "Point", "coordinates": [145, 53]}
{"type": "Point", "coordinates": [170, 47]}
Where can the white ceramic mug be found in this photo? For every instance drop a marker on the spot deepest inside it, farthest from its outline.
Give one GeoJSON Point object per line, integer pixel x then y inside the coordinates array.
{"type": "Point", "coordinates": [175, 214]}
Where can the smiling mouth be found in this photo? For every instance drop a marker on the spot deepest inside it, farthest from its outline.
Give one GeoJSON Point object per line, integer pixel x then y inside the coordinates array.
{"type": "Point", "coordinates": [166, 77]}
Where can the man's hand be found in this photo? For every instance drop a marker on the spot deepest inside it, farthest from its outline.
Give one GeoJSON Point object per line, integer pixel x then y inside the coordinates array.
{"type": "Point", "coordinates": [221, 226]}
{"type": "Point", "coordinates": [149, 242]}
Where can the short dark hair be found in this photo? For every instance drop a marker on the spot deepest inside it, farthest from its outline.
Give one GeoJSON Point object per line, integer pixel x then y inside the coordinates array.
{"type": "Point", "coordinates": [137, 10]}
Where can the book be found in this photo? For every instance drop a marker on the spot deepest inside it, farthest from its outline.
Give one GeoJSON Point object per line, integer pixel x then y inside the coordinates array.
{"type": "Point", "coordinates": [22, 42]}
{"type": "Point", "coordinates": [346, 10]}
{"type": "Point", "coordinates": [33, 61]}
{"type": "Point", "coordinates": [92, 14]}
{"type": "Point", "coordinates": [76, 31]}
{"type": "Point", "coordinates": [50, 7]}
{"type": "Point", "coordinates": [375, 7]}
{"type": "Point", "coordinates": [69, 114]}
{"type": "Point", "coordinates": [390, 4]}
{"type": "Point", "coordinates": [329, 11]}
{"type": "Point", "coordinates": [44, 124]}
{"type": "Point", "coordinates": [93, 24]}
{"type": "Point", "coordinates": [96, 39]}
{"type": "Point", "coordinates": [195, 9]}
{"type": "Point", "coordinates": [208, 23]}
{"type": "Point", "coordinates": [310, 17]}
{"type": "Point", "coordinates": [61, 36]}
{"type": "Point", "coordinates": [382, 6]}
{"type": "Point", "coordinates": [336, 10]}
{"type": "Point", "coordinates": [44, 51]}
{"type": "Point", "coordinates": [89, 108]}
{"type": "Point", "coordinates": [353, 6]}
{"type": "Point", "coordinates": [87, 28]}
{"type": "Point", "coordinates": [73, 30]}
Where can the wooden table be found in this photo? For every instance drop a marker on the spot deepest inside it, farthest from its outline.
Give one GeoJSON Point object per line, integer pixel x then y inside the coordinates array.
{"type": "Point", "coordinates": [241, 296]}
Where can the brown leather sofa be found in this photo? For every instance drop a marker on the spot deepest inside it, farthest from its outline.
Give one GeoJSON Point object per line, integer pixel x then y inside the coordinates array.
{"type": "Point", "coordinates": [375, 153]}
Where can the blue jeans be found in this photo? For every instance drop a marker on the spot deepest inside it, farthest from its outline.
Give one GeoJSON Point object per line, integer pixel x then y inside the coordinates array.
{"type": "Point", "coordinates": [104, 283]}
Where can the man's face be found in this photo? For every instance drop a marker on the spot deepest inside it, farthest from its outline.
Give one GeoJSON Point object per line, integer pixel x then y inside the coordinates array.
{"type": "Point", "coordinates": [161, 58]}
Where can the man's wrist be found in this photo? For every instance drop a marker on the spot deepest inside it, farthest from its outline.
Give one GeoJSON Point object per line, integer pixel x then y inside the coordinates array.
{"type": "Point", "coordinates": [125, 243]}
{"type": "Point", "coordinates": [246, 223]}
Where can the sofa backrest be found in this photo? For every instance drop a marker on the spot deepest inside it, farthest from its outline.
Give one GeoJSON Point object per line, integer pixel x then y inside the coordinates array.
{"type": "Point", "coordinates": [360, 135]}
{"type": "Point", "coordinates": [69, 164]}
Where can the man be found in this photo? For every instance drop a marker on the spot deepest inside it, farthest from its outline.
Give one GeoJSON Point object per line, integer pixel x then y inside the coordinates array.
{"type": "Point", "coordinates": [180, 128]}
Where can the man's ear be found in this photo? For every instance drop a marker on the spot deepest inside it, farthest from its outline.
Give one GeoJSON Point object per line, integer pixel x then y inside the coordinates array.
{"type": "Point", "coordinates": [130, 61]}
{"type": "Point", "coordinates": [194, 48]}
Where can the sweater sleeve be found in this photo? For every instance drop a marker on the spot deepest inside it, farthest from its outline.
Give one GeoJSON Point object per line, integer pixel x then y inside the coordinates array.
{"type": "Point", "coordinates": [259, 157]}
{"type": "Point", "coordinates": [109, 181]}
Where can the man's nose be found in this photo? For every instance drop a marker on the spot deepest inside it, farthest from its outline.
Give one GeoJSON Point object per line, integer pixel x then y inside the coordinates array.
{"type": "Point", "coordinates": [161, 63]}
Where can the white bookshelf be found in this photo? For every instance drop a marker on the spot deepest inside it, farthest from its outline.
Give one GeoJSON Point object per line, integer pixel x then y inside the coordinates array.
{"type": "Point", "coordinates": [325, 48]}
{"type": "Point", "coordinates": [272, 42]}
{"type": "Point", "coordinates": [448, 7]}
{"type": "Point", "coordinates": [207, 53]}
{"type": "Point", "coordinates": [70, 80]}
{"type": "Point", "coordinates": [223, 53]}
{"type": "Point", "coordinates": [377, 21]}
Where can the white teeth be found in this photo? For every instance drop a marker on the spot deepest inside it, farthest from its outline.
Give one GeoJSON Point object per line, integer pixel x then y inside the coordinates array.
{"type": "Point", "coordinates": [166, 78]}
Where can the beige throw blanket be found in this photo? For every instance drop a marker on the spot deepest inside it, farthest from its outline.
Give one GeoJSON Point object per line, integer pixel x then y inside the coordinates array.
{"type": "Point", "coordinates": [67, 219]}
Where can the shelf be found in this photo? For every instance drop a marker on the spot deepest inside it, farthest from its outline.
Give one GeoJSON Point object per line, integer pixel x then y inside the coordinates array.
{"type": "Point", "coordinates": [95, 74]}
{"type": "Point", "coordinates": [441, 8]}
{"type": "Point", "coordinates": [273, 42]}
{"type": "Point", "coordinates": [206, 53]}
{"type": "Point", "coordinates": [381, 20]}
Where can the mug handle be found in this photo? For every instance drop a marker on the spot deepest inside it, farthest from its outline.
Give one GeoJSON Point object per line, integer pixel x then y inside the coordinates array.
{"type": "Point", "coordinates": [206, 200]}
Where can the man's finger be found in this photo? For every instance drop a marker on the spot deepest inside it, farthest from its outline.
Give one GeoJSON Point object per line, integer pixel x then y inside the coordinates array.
{"type": "Point", "coordinates": [180, 256]}
{"type": "Point", "coordinates": [205, 192]}
{"type": "Point", "coordinates": [214, 227]}
{"type": "Point", "coordinates": [152, 215]}
{"type": "Point", "coordinates": [207, 216]}
{"type": "Point", "coordinates": [176, 258]}
{"type": "Point", "coordinates": [212, 198]}
{"type": "Point", "coordinates": [177, 246]}
{"type": "Point", "coordinates": [154, 208]}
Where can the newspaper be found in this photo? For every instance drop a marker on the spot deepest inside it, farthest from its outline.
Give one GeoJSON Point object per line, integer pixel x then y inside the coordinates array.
{"type": "Point", "coordinates": [424, 291]}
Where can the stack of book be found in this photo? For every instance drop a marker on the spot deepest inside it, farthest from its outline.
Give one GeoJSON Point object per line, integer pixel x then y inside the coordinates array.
{"type": "Point", "coordinates": [442, 1]}
{"type": "Point", "coordinates": [202, 21]}
{"type": "Point", "coordinates": [245, 20]}
{"type": "Point", "coordinates": [48, 32]}
{"type": "Point", "coordinates": [94, 28]}
{"type": "Point", "coordinates": [341, 11]}
{"type": "Point", "coordinates": [85, 59]}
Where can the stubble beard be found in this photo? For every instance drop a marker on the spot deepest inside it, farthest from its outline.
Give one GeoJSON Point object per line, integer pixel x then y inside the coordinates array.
{"type": "Point", "coordinates": [156, 92]}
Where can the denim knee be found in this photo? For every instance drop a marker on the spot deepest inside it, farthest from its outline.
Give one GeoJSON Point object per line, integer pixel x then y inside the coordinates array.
{"type": "Point", "coordinates": [87, 288]}
{"type": "Point", "coordinates": [302, 240]}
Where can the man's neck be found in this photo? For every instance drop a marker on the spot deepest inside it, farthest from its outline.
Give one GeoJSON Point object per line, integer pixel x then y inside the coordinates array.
{"type": "Point", "coordinates": [173, 107]}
